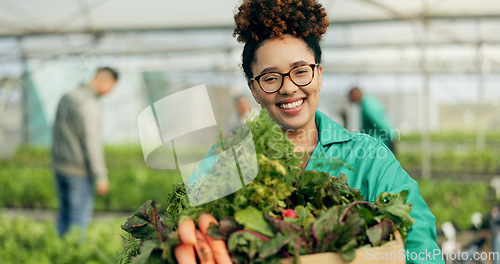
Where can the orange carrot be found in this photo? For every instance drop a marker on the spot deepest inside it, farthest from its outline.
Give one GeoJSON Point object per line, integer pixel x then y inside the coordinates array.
{"type": "Point", "coordinates": [186, 231]}
{"type": "Point", "coordinates": [218, 246]}
{"type": "Point", "coordinates": [204, 221]}
{"type": "Point", "coordinates": [219, 250]}
{"type": "Point", "coordinates": [205, 253]}
{"type": "Point", "coordinates": [184, 254]}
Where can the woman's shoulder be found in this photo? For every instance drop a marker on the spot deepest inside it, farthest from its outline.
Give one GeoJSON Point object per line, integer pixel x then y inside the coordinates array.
{"type": "Point", "coordinates": [365, 139]}
{"type": "Point", "coordinates": [331, 132]}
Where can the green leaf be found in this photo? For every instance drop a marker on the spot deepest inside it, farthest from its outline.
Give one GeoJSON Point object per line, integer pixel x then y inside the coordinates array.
{"type": "Point", "coordinates": [274, 245]}
{"type": "Point", "coordinates": [350, 245]}
{"type": "Point", "coordinates": [310, 182]}
{"type": "Point", "coordinates": [326, 223]}
{"type": "Point", "coordinates": [139, 228]}
{"type": "Point", "coordinates": [155, 257]}
{"type": "Point", "coordinates": [145, 223]}
{"type": "Point", "coordinates": [146, 250]}
{"type": "Point", "coordinates": [367, 215]}
{"type": "Point", "coordinates": [253, 219]}
{"type": "Point", "coordinates": [395, 208]}
{"type": "Point", "coordinates": [379, 232]}
{"type": "Point", "coordinates": [305, 216]}
{"type": "Point", "coordinates": [244, 244]}
{"type": "Point", "coordinates": [349, 255]}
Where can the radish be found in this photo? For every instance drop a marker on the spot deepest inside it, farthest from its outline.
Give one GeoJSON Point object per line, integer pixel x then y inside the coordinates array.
{"type": "Point", "coordinates": [290, 213]}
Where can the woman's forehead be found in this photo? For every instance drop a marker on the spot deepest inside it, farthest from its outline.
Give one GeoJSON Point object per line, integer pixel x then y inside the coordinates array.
{"type": "Point", "coordinates": [282, 53]}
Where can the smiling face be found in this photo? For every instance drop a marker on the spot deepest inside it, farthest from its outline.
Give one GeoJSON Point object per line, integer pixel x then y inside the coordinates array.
{"type": "Point", "coordinates": [293, 106]}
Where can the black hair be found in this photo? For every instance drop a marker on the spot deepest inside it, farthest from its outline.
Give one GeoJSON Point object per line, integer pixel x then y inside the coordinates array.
{"type": "Point", "coordinates": [251, 47]}
{"type": "Point", "coordinates": [110, 70]}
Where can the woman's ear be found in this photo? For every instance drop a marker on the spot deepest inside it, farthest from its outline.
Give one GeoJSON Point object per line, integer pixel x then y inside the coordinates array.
{"type": "Point", "coordinates": [254, 94]}
{"type": "Point", "coordinates": [320, 76]}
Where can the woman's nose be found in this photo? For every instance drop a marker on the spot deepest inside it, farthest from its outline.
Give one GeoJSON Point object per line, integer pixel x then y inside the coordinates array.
{"type": "Point", "coordinates": [288, 86]}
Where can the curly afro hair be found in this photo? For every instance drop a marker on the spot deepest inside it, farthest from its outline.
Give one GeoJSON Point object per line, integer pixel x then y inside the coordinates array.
{"type": "Point", "coordinates": [258, 20]}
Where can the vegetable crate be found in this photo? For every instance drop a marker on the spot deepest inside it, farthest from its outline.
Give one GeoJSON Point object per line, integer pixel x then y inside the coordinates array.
{"type": "Point", "coordinates": [389, 253]}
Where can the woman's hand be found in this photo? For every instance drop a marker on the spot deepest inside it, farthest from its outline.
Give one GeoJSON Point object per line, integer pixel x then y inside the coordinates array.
{"type": "Point", "coordinates": [398, 238]}
{"type": "Point", "coordinates": [208, 249]}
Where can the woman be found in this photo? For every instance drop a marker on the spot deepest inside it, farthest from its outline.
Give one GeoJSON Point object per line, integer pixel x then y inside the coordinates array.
{"type": "Point", "coordinates": [281, 61]}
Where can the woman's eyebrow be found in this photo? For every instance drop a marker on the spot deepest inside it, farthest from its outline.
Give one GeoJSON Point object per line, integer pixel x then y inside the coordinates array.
{"type": "Point", "coordinates": [269, 69]}
{"type": "Point", "coordinates": [275, 69]}
{"type": "Point", "coordinates": [298, 63]}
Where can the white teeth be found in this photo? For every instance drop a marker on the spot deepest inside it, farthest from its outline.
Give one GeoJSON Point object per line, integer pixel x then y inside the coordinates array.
{"type": "Point", "coordinates": [291, 105]}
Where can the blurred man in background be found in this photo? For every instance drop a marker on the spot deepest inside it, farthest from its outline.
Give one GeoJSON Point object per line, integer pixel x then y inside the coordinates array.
{"type": "Point", "coordinates": [77, 152]}
{"type": "Point", "coordinates": [374, 120]}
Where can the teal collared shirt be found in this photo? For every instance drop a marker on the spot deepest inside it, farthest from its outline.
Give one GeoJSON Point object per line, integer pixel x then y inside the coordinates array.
{"type": "Point", "coordinates": [375, 121]}
{"type": "Point", "coordinates": [373, 169]}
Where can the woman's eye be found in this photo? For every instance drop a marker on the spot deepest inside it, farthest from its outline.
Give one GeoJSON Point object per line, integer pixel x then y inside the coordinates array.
{"type": "Point", "coordinates": [301, 72]}
{"type": "Point", "coordinates": [269, 78]}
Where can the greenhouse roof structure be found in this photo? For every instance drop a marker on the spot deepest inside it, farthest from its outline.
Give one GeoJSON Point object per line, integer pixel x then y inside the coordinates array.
{"type": "Point", "coordinates": [364, 36]}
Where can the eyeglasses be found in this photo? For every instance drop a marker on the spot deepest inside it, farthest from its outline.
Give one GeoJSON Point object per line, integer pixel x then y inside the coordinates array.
{"type": "Point", "coordinates": [271, 82]}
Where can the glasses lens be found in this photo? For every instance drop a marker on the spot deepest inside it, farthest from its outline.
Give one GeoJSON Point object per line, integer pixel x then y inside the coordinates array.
{"type": "Point", "coordinates": [302, 75]}
{"type": "Point", "coordinates": [270, 82]}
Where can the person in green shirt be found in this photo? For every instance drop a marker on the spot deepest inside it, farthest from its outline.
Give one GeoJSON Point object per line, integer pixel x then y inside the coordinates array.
{"type": "Point", "coordinates": [282, 64]}
{"type": "Point", "coordinates": [374, 120]}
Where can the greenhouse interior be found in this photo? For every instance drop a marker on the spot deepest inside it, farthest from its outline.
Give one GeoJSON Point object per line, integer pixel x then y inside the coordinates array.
{"type": "Point", "coordinates": [434, 65]}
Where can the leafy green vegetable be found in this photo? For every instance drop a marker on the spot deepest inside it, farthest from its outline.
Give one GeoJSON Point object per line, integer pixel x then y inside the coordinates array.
{"type": "Point", "coordinates": [331, 215]}
{"type": "Point", "coordinates": [157, 239]}
{"type": "Point", "coordinates": [274, 245]}
{"type": "Point", "coordinates": [146, 223]}
{"type": "Point", "coordinates": [146, 255]}
{"type": "Point", "coordinates": [395, 209]}
{"type": "Point", "coordinates": [379, 232]}
{"type": "Point", "coordinates": [253, 219]}
{"type": "Point", "coordinates": [244, 245]}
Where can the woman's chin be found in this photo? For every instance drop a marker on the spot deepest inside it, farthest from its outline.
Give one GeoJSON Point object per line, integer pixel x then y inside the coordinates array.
{"type": "Point", "coordinates": [293, 123]}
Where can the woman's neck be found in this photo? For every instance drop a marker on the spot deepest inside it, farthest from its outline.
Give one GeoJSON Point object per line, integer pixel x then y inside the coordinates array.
{"type": "Point", "coordinates": [305, 139]}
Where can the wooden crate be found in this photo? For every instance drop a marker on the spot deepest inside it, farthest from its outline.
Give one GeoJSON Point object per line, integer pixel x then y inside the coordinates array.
{"type": "Point", "coordinates": [390, 253]}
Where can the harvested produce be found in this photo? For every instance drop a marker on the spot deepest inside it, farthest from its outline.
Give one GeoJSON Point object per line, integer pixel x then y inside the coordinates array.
{"type": "Point", "coordinates": [283, 212]}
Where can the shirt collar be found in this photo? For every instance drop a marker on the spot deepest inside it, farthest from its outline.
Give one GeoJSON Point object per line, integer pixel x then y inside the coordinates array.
{"type": "Point", "coordinates": [91, 90]}
{"type": "Point", "coordinates": [329, 131]}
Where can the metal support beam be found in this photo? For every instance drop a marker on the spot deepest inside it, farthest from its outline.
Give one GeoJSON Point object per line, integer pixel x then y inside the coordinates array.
{"type": "Point", "coordinates": [481, 99]}
{"type": "Point", "coordinates": [426, 114]}
{"type": "Point", "coordinates": [230, 27]}
{"type": "Point", "coordinates": [25, 126]}
{"type": "Point", "coordinates": [423, 19]}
